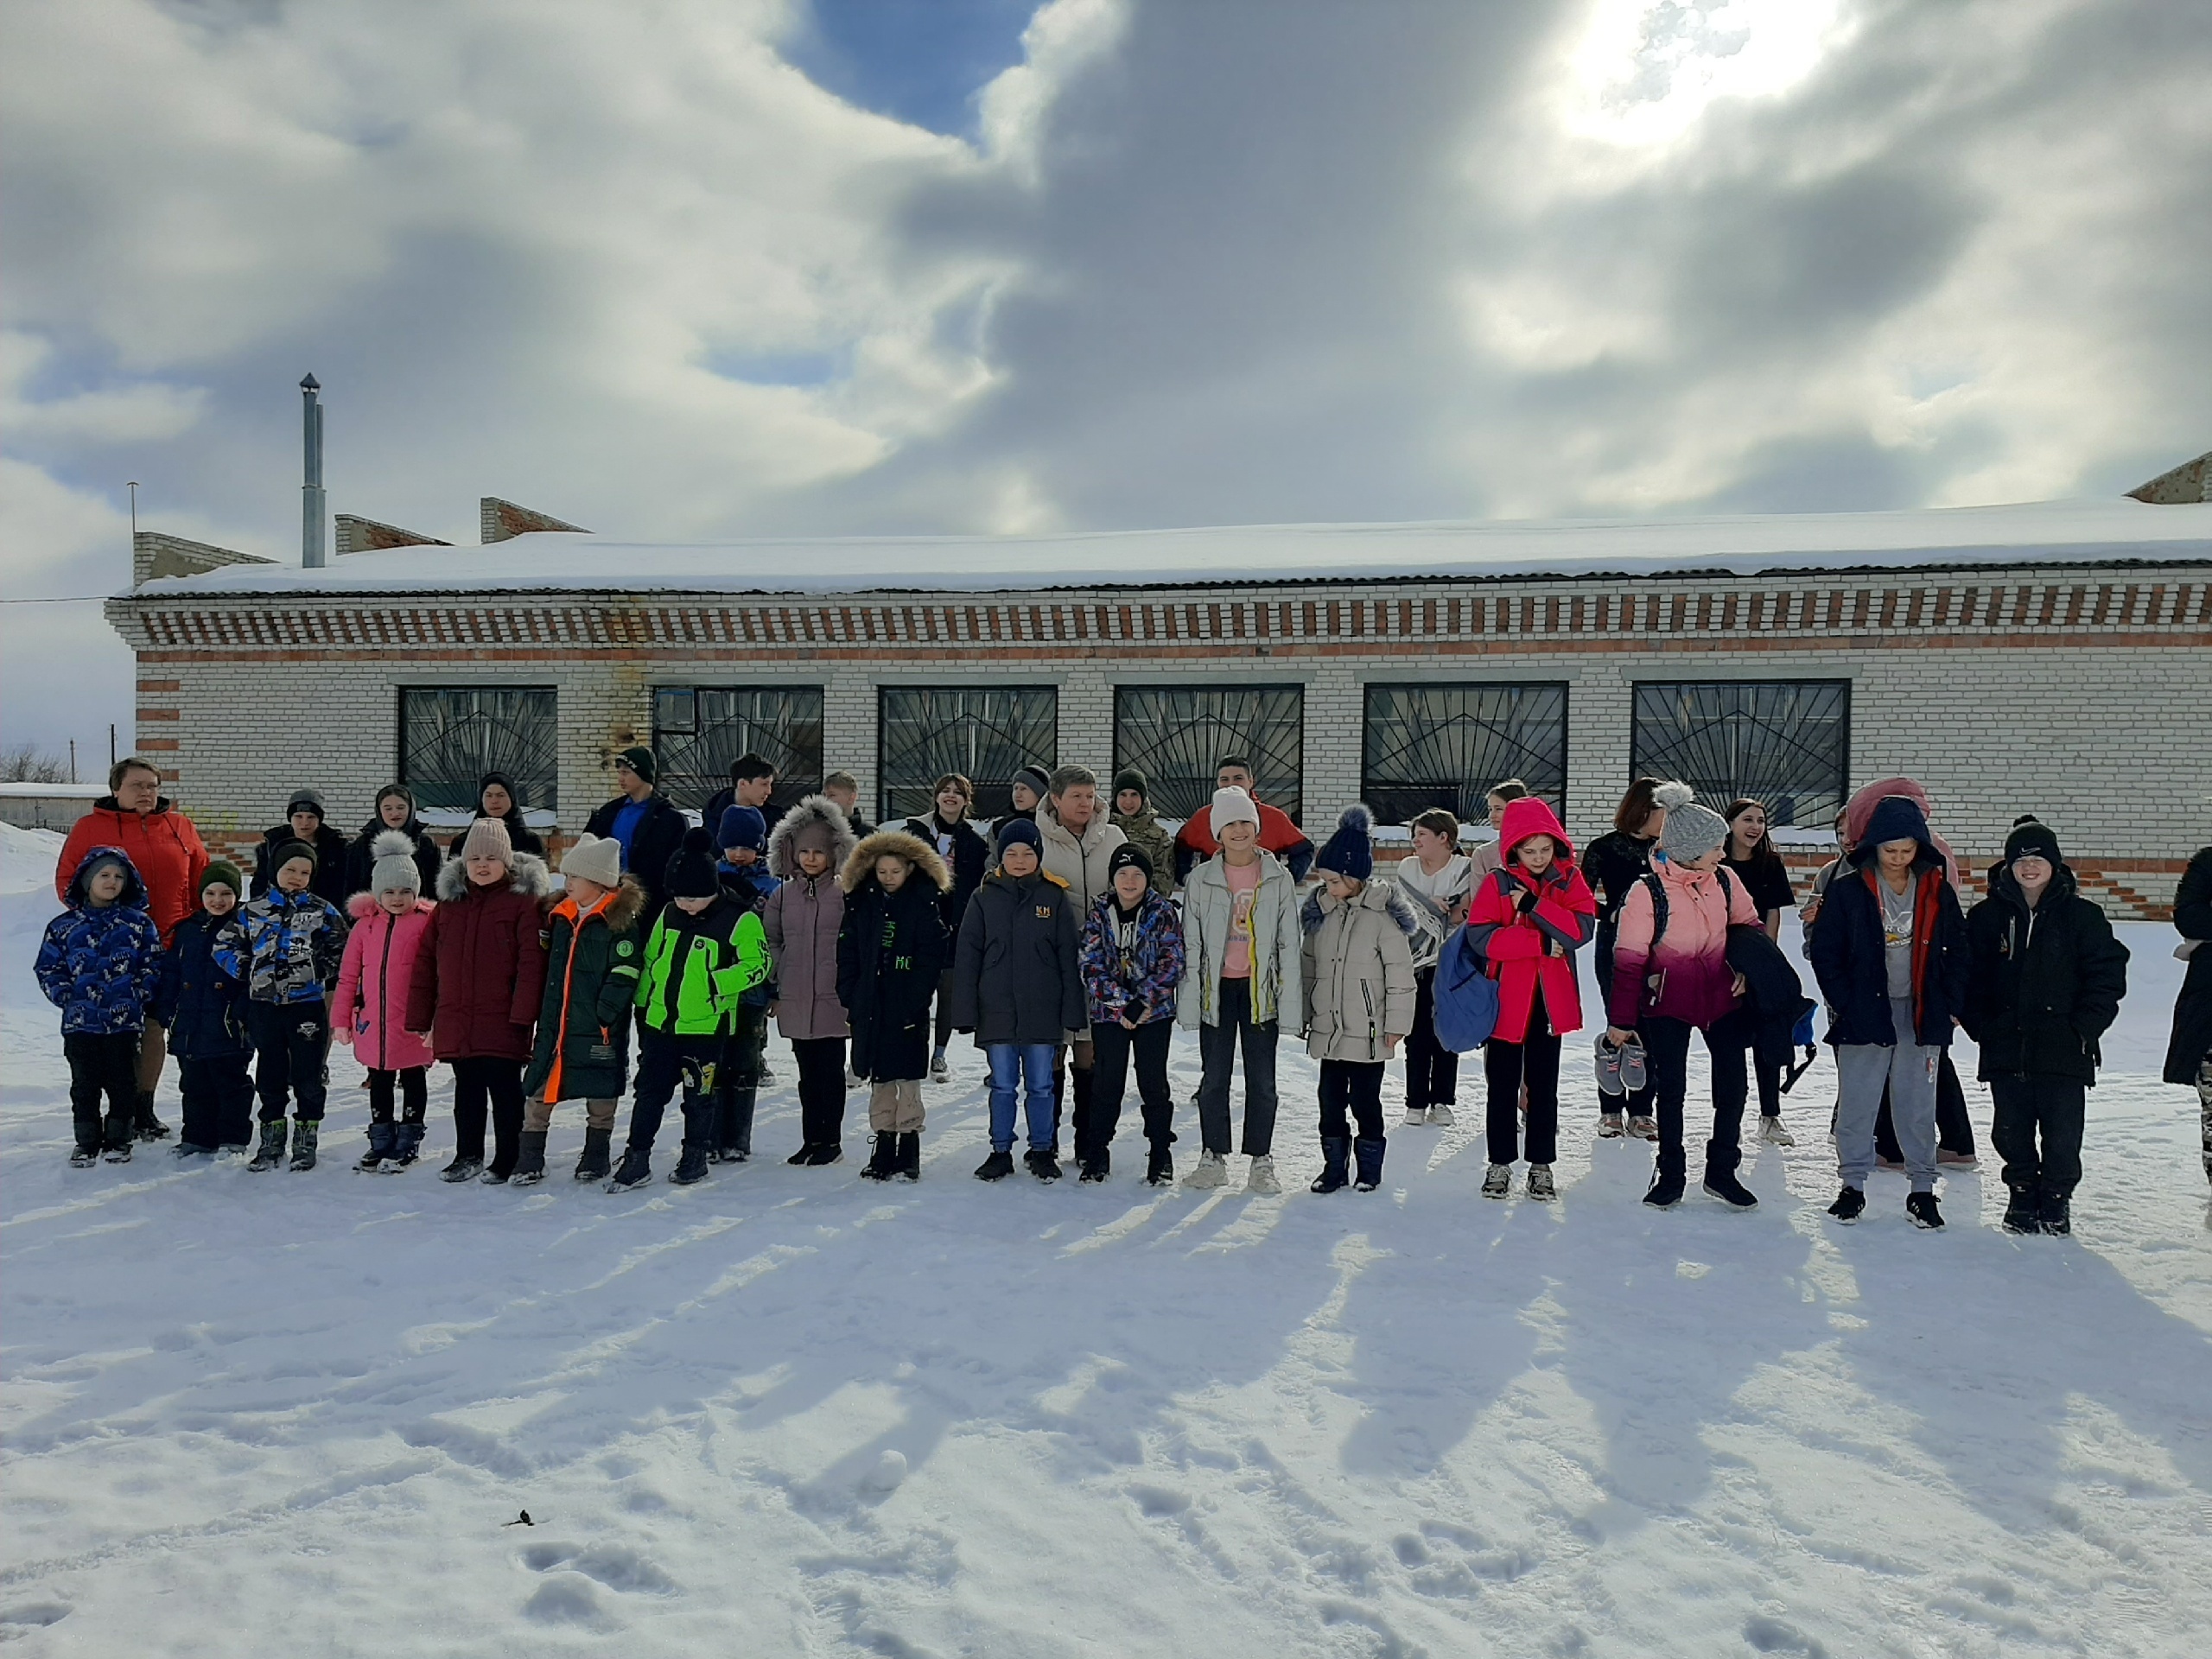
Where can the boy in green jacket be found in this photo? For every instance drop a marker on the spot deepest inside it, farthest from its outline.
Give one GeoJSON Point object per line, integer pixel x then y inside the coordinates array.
{"type": "Point", "coordinates": [705, 952]}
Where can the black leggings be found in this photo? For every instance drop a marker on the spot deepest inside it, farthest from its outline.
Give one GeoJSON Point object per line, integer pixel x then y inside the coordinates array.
{"type": "Point", "coordinates": [1357, 1087]}
{"type": "Point", "coordinates": [1533, 1061]}
{"type": "Point", "coordinates": [476, 1081]}
{"type": "Point", "coordinates": [414, 1091]}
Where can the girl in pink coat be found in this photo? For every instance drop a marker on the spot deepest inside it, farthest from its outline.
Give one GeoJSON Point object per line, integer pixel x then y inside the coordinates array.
{"type": "Point", "coordinates": [389, 922]}
{"type": "Point", "coordinates": [1528, 918]}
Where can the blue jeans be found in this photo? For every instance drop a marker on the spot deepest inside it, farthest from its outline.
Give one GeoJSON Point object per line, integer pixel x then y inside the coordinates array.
{"type": "Point", "coordinates": [1028, 1066]}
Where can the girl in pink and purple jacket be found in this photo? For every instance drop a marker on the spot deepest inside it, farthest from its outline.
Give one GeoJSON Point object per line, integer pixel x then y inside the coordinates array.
{"type": "Point", "coordinates": [370, 1012]}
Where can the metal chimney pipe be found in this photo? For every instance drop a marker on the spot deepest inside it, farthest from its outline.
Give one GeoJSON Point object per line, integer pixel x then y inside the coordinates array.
{"type": "Point", "coordinates": [312, 511]}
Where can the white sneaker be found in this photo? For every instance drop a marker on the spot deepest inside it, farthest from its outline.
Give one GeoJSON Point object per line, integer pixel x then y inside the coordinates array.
{"type": "Point", "coordinates": [1774, 1134]}
{"type": "Point", "coordinates": [1416, 1117]}
{"type": "Point", "coordinates": [1498, 1182]}
{"type": "Point", "coordinates": [1261, 1179]}
{"type": "Point", "coordinates": [940, 1070]}
{"type": "Point", "coordinates": [1439, 1118]}
{"type": "Point", "coordinates": [1210, 1171]}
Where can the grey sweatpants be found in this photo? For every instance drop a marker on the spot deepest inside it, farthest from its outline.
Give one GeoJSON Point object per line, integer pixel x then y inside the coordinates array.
{"type": "Point", "coordinates": [1909, 1070]}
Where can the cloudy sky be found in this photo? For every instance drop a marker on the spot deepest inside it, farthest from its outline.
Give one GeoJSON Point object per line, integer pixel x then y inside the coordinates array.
{"type": "Point", "coordinates": [692, 270]}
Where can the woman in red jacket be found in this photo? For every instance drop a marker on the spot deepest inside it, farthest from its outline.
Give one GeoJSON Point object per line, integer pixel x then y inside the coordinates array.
{"type": "Point", "coordinates": [1528, 918]}
{"type": "Point", "coordinates": [479, 973]}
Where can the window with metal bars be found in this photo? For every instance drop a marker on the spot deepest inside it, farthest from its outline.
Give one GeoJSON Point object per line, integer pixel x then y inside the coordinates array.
{"type": "Point", "coordinates": [1432, 745]}
{"type": "Point", "coordinates": [1783, 743]}
{"type": "Point", "coordinates": [1177, 735]}
{"type": "Point", "coordinates": [698, 730]}
{"type": "Point", "coordinates": [451, 735]}
{"type": "Point", "coordinates": [985, 733]}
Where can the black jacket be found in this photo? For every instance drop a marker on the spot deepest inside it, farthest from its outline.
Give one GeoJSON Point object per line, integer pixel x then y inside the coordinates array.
{"type": "Point", "coordinates": [1846, 949]}
{"type": "Point", "coordinates": [2042, 984]}
{"type": "Point", "coordinates": [520, 836]}
{"type": "Point", "coordinates": [330, 863]}
{"type": "Point", "coordinates": [659, 838]}
{"type": "Point", "coordinates": [892, 950]}
{"type": "Point", "coordinates": [1612, 865]}
{"type": "Point", "coordinates": [967, 858]}
{"type": "Point", "coordinates": [1016, 977]}
{"type": "Point", "coordinates": [360, 861]}
{"type": "Point", "coordinates": [1774, 997]}
{"type": "Point", "coordinates": [2192, 1039]}
{"type": "Point", "coordinates": [203, 1007]}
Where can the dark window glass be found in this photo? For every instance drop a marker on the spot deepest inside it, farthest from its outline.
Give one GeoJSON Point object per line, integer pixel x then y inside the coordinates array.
{"type": "Point", "coordinates": [1446, 745]}
{"type": "Point", "coordinates": [451, 735]}
{"type": "Point", "coordinates": [699, 729]}
{"type": "Point", "coordinates": [987, 733]}
{"type": "Point", "coordinates": [1785, 742]}
{"type": "Point", "coordinates": [1177, 735]}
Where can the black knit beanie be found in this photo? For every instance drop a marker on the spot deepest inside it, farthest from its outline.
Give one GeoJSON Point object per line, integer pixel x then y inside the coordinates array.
{"type": "Point", "coordinates": [691, 873]}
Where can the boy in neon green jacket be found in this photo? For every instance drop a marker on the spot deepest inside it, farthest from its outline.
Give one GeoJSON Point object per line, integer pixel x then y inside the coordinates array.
{"type": "Point", "coordinates": [704, 953]}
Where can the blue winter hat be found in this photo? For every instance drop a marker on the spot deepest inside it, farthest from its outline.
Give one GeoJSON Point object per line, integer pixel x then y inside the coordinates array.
{"type": "Point", "coordinates": [742, 826]}
{"type": "Point", "coordinates": [1350, 851]}
{"type": "Point", "coordinates": [1020, 832]}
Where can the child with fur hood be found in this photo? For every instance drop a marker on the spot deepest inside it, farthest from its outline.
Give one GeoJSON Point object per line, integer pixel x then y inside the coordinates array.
{"type": "Point", "coordinates": [802, 916]}
{"type": "Point", "coordinates": [479, 975]}
{"type": "Point", "coordinates": [100, 963]}
{"type": "Point", "coordinates": [594, 954]}
{"type": "Point", "coordinates": [370, 1012]}
{"type": "Point", "coordinates": [1357, 964]}
{"type": "Point", "coordinates": [892, 946]}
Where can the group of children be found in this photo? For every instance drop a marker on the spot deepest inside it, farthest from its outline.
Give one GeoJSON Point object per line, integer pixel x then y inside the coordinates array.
{"type": "Point", "coordinates": [1058, 945]}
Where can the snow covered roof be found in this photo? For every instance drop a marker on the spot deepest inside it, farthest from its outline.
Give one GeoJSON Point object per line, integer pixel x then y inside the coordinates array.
{"type": "Point", "coordinates": [2074, 532]}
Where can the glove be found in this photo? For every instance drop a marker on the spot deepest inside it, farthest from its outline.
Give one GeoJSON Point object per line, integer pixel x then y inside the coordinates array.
{"type": "Point", "coordinates": [1528, 901]}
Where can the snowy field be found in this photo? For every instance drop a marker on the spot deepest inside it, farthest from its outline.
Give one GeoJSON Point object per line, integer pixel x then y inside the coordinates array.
{"type": "Point", "coordinates": [788, 1412]}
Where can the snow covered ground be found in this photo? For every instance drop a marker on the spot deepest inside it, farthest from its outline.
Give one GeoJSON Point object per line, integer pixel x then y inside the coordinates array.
{"type": "Point", "coordinates": [787, 1412]}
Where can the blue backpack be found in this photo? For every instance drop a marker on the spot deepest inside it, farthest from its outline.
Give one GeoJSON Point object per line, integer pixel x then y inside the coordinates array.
{"type": "Point", "coordinates": [1465, 996]}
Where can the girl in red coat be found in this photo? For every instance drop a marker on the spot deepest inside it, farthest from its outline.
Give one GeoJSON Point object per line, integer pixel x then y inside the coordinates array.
{"type": "Point", "coordinates": [479, 975]}
{"type": "Point", "coordinates": [1528, 918]}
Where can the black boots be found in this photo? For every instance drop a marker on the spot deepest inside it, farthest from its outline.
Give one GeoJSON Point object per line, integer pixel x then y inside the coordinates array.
{"type": "Point", "coordinates": [1336, 1157]}
{"type": "Point", "coordinates": [271, 1150]}
{"type": "Point", "coordinates": [733, 1138]}
{"type": "Point", "coordinates": [1723, 1184]}
{"type": "Point", "coordinates": [530, 1162]}
{"type": "Point", "coordinates": [2056, 1209]}
{"type": "Point", "coordinates": [1850, 1204]}
{"type": "Point", "coordinates": [883, 1162]}
{"type": "Point", "coordinates": [145, 1125]}
{"type": "Point", "coordinates": [382, 1138]}
{"type": "Point", "coordinates": [592, 1165]}
{"type": "Point", "coordinates": [637, 1170]}
{"type": "Point", "coordinates": [2022, 1210]}
{"type": "Point", "coordinates": [690, 1167]}
{"type": "Point", "coordinates": [1097, 1166]}
{"type": "Point", "coordinates": [996, 1168]}
{"type": "Point", "coordinates": [910, 1155]}
{"type": "Point", "coordinates": [305, 1134]}
{"type": "Point", "coordinates": [406, 1147]}
{"type": "Point", "coordinates": [1367, 1154]}
{"type": "Point", "coordinates": [1043, 1163]}
{"type": "Point", "coordinates": [1159, 1167]}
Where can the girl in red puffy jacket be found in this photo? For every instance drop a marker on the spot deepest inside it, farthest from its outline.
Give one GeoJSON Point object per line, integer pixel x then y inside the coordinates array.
{"type": "Point", "coordinates": [1528, 918]}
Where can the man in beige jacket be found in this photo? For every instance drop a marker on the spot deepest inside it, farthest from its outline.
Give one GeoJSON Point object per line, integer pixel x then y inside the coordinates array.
{"type": "Point", "coordinates": [1079, 842]}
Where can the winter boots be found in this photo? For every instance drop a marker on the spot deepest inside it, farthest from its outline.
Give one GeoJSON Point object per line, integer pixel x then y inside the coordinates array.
{"type": "Point", "coordinates": [703, 1125]}
{"type": "Point", "coordinates": [1159, 1167]}
{"type": "Point", "coordinates": [2057, 1212]}
{"type": "Point", "coordinates": [1042, 1162]}
{"type": "Point", "coordinates": [382, 1139]}
{"type": "Point", "coordinates": [815, 1154]}
{"type": "Point", "coordinates": [305, 1134]}
{"type": "Point", "coordinates": [883, 1162]}
{"type": "Point", "coordinates": [690, 1167]}
{"type": "Point", "coordinates": [461, 1169]}
{"type": "Point", "coordinates": [637, 1170]}
{"type": "Point", "coordinates": [1367, 1156]}
{"type": "Point", "coordinates": [1722, 1184]}
{"type": "Point", "coordinates": [732, 1139]}
{"type": "Point", "coordinates": [117, 1137]}
{"type": "Point", "coordinates": [271, 1152]}
{"type": "Point", "coordinates": [996, 1168]}
{"type": "Point", "coordinates": [145, 1125]}
{"type": "Point", "coordinates": [530, 1162]}
{"type": "Point", "coordinates": [592, 1165]}
{"type": "Point", "coordinates": [2022, 1210]}
{"type": "Point", "coordinates": [1097, 1166]}
{"type": "Point", "coordinates": [406, 1148]}
{"type": "Point", "coordinates": [910, 1155]}
{"type": "Point", "coordinates": [1666, 1190]}
{"type": "Point", "coordinates": [1335, 1155]}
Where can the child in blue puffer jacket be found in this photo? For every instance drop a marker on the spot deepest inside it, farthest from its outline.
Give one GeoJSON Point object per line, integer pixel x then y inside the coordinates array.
{"type": "Point", "coordinates": [100, 963]}
{"type": "Point", "coordinates": [288, 953]}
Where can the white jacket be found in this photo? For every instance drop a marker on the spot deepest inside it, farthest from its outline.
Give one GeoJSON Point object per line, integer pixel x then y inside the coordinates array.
{"type": "Point", "coordinates": [1278, 983]}
{"type": "Point", "coordinates": [1078, 861]}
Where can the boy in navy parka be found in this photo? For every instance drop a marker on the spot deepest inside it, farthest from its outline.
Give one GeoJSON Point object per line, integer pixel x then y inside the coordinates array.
{"type": "Point", "coordinates": [204, 1008]}
{"type": "Point", "coordinates": [100, 963]}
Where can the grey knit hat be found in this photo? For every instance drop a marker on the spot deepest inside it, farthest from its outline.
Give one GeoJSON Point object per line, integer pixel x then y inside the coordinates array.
{"type": "Point", "coordinates": [1691, 831]}
{"type": "Point", "coordinates": [395, 866]}
{"type": "Point", "coordinates": [596, 858]}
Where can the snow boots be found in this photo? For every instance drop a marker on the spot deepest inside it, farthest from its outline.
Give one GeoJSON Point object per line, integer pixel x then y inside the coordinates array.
{"type": "Point", "coordinates": [691, 1166]}
{"type": "Point", "coordinates": [1097, 1166]}
{"type": "Point", "coordinates": [1159, 1167]}
{"type": "Point", "coordinates": [910, 1155]}
{"type": "Point", "coordinates": [996, 1168]}
{"type": "Point", "coordinates": [1723, 1184]}
{"type": "Point", "coordinates": [883, 1162]}
{"type": "Point", "coordinates": [406, 1147]}
{"type": "Point", "coordinates": [1336, 1154]}
{"type": "Point", "coordinates": [145, 1124]}
{"type": "Point", "coordinates": [271, 1150]}
{"type": "Point", "coordinates": [305, 1134]}
{"type": "Point", "coordinates": [1043, 1163]}
{"type": "Point", "coordinates": [1666, 1190]}
{"type": "Point", "coordinates": [1367, 1155]}
{"type": "Point", "coordinates": [637, 1170]}
{"type": "Point", "coordinates": [530, 1162]}
{"type": "Point", "coordinates": [383, 1137]}
{"type": "Point", "coordinates": [703, 1124]}
{"type": "Point", "coordinates": [592, 1165]}
{"type": "Point", "coordinates": [734, 1106]}
{"type": "Point", "coordinates": [2056, 1209]}
{"type": "Point", "coordinates": [2022, 1210]}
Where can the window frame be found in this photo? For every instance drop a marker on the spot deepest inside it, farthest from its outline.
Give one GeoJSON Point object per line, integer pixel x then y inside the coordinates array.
{"type": "Point", "coordinates": [1472, 793]}
{"type": "Point", "coordinates": [986, 805]}
{"type": "Point", "coordinates": [1783, 807]}
{"type": "Point", "coordinates": [527, 782]}
{"type": "Point", "coordinates": [791, 787]}
{"type": "Point", "coordinates": [1271, 787]}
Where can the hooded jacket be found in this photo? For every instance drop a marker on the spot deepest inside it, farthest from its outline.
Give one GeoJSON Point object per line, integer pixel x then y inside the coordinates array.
{"type": "Point", "coordinates": [1358, 972]}
{"type": "Point", "coordinates": [2044, 982]}
{"type": "Point", "coordinates": [361, 859]}
{"type": "Point", "coordinates": [520, 836]}
{"type": "Point", "coordinates": [1847, 948]}
{"type": "Point", "coordinates": [163, 846]}
{"type": "Point", "coordinates": [1016, 976]}
{"type": "Point", "coordinates": [1515, 918]}
{"type": "Point", "coordinates": [699, 969]}
{"type": "Point", "coordinates": [479, 973]}
{"type": "Point", "coordinates": [1078, 861]}
{"type": "Point", "coordinates": [374, 979]}
{"type": "Point", "coordinates": [1858, 812]}
{"type": "Point", "coordinates": [289, 947]}
{"type": "Point", "coordinates": [330, 861]}
{"type": "Point", "coordinates": [102, 965]}
{"type": "Point", "coordinates": [802, 917]}
{"type": "Point", "coordinates": [1277, 982]}
{"type": "Point", "coordinates": [2190, 1045]}
{"type": "Point", "coordinates": [593, 961]}
{"type": "Point", "coordinates": [890, 954]}
{"type": "Point", "coordinates": [1681, 972]}
{"type": "Point", "coordinates": [1137, 983]}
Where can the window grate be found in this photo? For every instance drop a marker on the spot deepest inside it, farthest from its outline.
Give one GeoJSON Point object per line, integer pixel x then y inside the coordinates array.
{"type": "Point", "coordinates": [987, 733]}
{"type": "Point", "coordinates": [698, 730]}
{"type": "Point", "coordinates": [1177, 735]}
{"type": "Point", "coordinates": [1784, 742]}
{"type": "Point", "coordinates": [451, 735]}
{"type": "Point", "coordinates": [1446, 745]}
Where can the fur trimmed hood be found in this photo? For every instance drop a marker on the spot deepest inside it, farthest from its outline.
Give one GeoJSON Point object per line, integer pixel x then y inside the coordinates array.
{"type": "Point", "coordinates": [362, 906]}
{"type": "Point", "coordinates": [526, 873]}
{"type": "Point", "coordinates": [629, 903]}
{"type": "Point", "coordinates": [1383, 895]}
{"type": "Point", "coordinates": [812, 809]}
{"type": "Point", "coordinates": [860, 863]}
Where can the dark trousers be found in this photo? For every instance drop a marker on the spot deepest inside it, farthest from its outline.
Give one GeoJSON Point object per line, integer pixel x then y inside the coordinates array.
{"type": "Point", "coordinates": [1356, 1087]}
{"type": "Point", "coordinates": [664, 1063]}
{"type": "Point", "coordinates": [737, 1076]}
{"type": "Point", "coordinates": [1431, 1069]}
{"type": "Point", "coordinates": [291, 1051]}
{"type": "Point", "coordinates": [1666, 1048]}
{"type": "Point", "coordinates": [945, 1008]}
{"type": "Point", "coordinates": [412, 1086]}
{"type": "Point", "coordinates": [2049, 1110]}
{"type": "Point", "coordinates": [477, 1083]}
{"type": "Point", "coordinates": [1769, 1082]}
{"type": "Point", "coordinates": [1114, 1048]}
{"type": "Point", "coordinates": [102, 1064]}
{"type": "Point", "coordinates": [218, 1101]}
{"type": "Point", "coordinates": [1217, 1049]}
{"type": "Point", "coordinates": [1506, 1066]}
{"type": "Point", "coordinates": [820, 1088]}
{"type": "Point", "coordinates": [1954, 1128]}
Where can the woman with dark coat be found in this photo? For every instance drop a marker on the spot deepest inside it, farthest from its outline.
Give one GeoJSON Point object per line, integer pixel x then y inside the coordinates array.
{"type": "Point", "coordinates": [2188, 1056]}
{"type": "Point", "coordinates": [2044, 978]}
{"type": "Point", "coordinates": [892, 948]}
{"type": "Point", "coordinates": [395, 809]}
{"type": "Point", "coordinates": [496, 799]}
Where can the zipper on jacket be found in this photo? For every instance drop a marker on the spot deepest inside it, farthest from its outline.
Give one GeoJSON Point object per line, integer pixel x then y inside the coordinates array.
{"type": "Point", "coordinates": [384, 994]}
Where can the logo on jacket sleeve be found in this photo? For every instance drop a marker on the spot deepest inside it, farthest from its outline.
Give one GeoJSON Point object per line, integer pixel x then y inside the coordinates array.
{"type": "Point", "coordinates": [625, 949]}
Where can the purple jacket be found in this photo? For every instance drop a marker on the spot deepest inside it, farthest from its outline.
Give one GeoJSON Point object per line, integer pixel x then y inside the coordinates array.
{"type": "Point", "coordinates": [1143, 988]}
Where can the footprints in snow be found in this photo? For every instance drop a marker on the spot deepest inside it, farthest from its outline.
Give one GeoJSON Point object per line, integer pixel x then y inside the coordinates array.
{"type": "Point", "coordinates": [569, 1594]}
